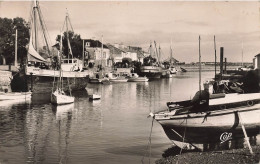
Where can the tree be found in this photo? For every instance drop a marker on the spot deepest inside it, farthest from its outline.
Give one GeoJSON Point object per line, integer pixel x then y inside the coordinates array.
{"type": "Point", "coordinates": [7, 39]}
{"type": "Point", "coordinates": [75, 43]}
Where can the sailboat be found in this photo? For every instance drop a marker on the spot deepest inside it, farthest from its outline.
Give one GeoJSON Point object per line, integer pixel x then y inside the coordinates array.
{"type": "Point", "coordinates": [58, 96]}
{"type": "Point", "coordinates": [172, 69]}
{"type": "Point", "coordinates": [214, 118]}
{"type": "Point", "coordinates": [41, 68]}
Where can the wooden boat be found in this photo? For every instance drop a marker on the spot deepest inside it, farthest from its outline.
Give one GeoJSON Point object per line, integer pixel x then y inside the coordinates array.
{"type": "Point", "coordinates": [220, 117]}
{"type": "Point", "coordinates": [95, 97]}
{"type": "Point", "coordinates": [213, 118]}
{"type": "Point", "coordinates": [136, 78]}
{"type": "Point", "coordinates": [37, 69]}
{"type": "Point", "coordinates": [15, 95]}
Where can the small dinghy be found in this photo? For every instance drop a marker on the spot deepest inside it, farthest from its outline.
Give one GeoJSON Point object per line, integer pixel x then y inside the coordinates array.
{"type": "Point", "coordinates": [15, 95]}
{"type": "Point", "coordinates": [94, 97]}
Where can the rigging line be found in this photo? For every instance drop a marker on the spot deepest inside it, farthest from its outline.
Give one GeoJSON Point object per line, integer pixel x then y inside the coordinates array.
{"type": "Point", "coordinates": [70, 23]}
{"type": "Point", "coordinates": [44, 24]}
{"type": "Point", "coordinates": [149, 144]}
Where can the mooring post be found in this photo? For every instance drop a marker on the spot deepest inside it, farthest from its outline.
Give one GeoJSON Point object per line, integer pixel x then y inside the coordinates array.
{"type": "Point", "coordinates": [225, 68]}
{"type": "Point", "coordinates": [244, 131]}
{"type": "Point", "coordinates": [221, 61]}
{"type": "Point", "coordinates": [31, 81]}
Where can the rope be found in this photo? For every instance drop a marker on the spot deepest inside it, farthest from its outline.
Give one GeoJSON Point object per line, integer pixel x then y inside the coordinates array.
{"type": "Point", "coordinates": [149, 145]}
{"type": "Point", "coordinates": [183, 138]}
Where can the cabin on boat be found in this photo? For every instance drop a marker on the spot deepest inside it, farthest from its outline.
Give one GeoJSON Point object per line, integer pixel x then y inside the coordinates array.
{"type": "Point", "coordinates": [71, 64]}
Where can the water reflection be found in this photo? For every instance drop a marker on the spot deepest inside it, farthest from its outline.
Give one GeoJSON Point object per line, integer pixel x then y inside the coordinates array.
{"type": "Point", "coordinates": [61, 111]}
{"type": "Point", "coordinates": [113, 130]}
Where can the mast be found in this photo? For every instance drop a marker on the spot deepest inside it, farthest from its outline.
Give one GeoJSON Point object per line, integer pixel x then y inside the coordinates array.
{"type": "Point", "coordinates": [171, 52]}
{"type": "Point", "coordinates": [215, 56]}
{"type": "Point", "coordinates": [67, 33]}
{"type": "Point", "coordinates": [199, 68]}
{"type": "Point", "coordinates": [15, 57]}
{"type": "Point", "coordinates": [156, 51]}
{"type": "Point", "coordinates": [60, 60]}
{"type": "Point", "coordinates": [159, 55]}
{"type": "Point", "coordinates": [101, 52]}
{"type": "Point", "coordinates": [242, 54]}
{"type": "Point", "coordinates": [35, 25]}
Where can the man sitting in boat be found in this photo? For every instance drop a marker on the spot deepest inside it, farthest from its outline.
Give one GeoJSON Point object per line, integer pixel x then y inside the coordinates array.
{"type": "Point", "coordinates": [200, 101]}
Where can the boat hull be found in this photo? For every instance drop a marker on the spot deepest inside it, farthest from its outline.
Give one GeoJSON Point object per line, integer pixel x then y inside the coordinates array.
{"type": "Point", "coordinates": [61, 99]}
{"type": "Point", "coordinates": [210, 127]}
{"type": "Point", "coordinates": [118, 80]}
{"type": "Point", "coordinates": [151, 72]}
{"type": "Point", "coordinates": [41, 81]}
{"type": "Point", "coordinates": [138, 79]}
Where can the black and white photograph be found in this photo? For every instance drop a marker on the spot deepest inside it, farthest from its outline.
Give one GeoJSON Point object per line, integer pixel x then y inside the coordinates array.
{"type": "Point", "coordinates": [112, 82]}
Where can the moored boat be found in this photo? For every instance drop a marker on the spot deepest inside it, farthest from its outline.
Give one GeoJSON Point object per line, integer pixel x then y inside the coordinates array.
{"type": "Point", "coordinates": [59, 98]}
{"type": "Point", "coordinates": [15, 95]}
{"type": "Point", "coordinates": [95, 97]}
{"type": "Point", "coordinates": [136, 78]}
{"type": "Point", "coordinates": [40, 68]}
{"type": "Point", "coordinates": [116, 78]}
{"type": "Point", "coordinates": [221, 117]}
{"type": "Point", "coordinates": [151, 72]}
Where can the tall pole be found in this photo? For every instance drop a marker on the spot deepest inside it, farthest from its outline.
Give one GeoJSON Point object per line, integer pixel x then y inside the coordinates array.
{"type": "Point", "coordinates": [15, 57]}
{"type": "Point", "coordinates": [242, 54]}
{"type": "Point", "coordinates": [83, 57]}
{"type": "Point", "coordinates": [199, 67]}
{"type": "Point", "coordinates": [101, 51]}
{"type": "Point", "coordinates": [215, 56]}
{"type": "Point", "coordinates": [35, 26]}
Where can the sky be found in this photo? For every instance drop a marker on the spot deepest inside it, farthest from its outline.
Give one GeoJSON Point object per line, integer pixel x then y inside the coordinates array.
{"type": "Point", "coordinates": [236, 25]}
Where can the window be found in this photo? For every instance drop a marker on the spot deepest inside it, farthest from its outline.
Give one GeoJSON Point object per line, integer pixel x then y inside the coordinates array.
{"type": "Point", "coordinates": [104, 54]}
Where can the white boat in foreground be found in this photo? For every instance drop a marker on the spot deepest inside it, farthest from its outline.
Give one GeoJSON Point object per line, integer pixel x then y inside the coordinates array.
{"type": "Point", "coordinates": [15, 95]}
{"type": "Point", "coordinates": [59, 97]}
{"type": "Point", "coordinates": [218, 121]}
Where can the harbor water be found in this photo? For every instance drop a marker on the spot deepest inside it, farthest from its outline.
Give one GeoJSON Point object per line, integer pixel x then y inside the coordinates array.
{"type": "Point", "coordinates": [112, 130]}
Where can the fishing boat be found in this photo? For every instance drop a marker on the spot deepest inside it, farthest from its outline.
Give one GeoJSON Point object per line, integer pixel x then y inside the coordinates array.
{"type": "Point", "coordinates": [15, 95]}
{"type": "Point", "coordinates": [40, 68]}
{"type": "Point", "coordinates": [151, 69]}
{"type": "Point", "coordinates": [136, 78]}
